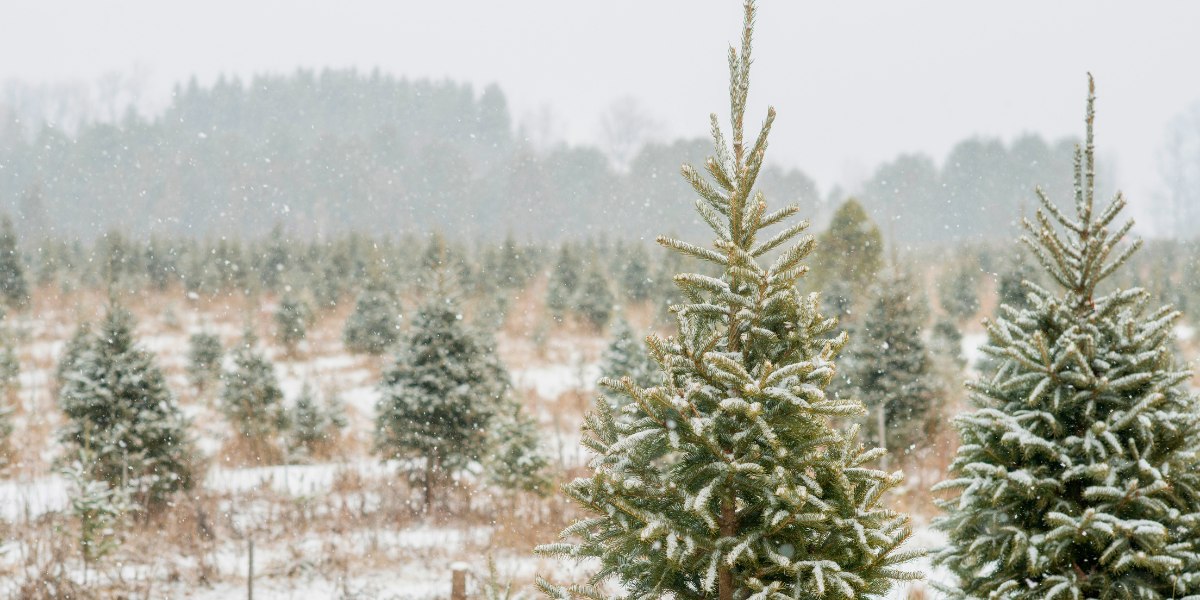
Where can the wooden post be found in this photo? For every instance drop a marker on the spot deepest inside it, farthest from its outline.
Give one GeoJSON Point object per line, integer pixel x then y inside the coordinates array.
{"type": "Point", "coordinates": [250, 573]}
{"type": "Point", "coordinates": [458, 581]}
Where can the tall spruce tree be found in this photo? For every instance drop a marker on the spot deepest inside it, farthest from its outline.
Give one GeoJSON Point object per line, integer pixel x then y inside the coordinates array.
{"type": "Point", "coordinates": [851, 257]}
{"type": "Point", "coordinates": [120, 410]}
{"type": "Point", "coordinates": [1078, 474]}
{"type": "Point", "coordinates": [252, 401]}
{"type": "Point", "coordinates": [891, 367]}
{"type": "Point", "coordinates": [627, 356]}
{"type": "Point", "coordinates": [375, 323]}
{"type": "Point", "coordinates": [14, 289]}
{"type": "Point", "coordinates": [439, 397]}
{"type": "Point", "coordinates": [730, 481]}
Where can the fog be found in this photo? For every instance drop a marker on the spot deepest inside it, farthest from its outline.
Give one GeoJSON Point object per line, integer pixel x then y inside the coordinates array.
{"type": "Point", "coordinates": [856, 83]}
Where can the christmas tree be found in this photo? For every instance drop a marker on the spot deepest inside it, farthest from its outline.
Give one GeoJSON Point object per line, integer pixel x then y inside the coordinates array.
{"type": "Point", "coordinates": [252, 401]}
{"type": "Point", "coordinates": [119, 409]}
{"type": "Point", "coordinates": [314, 428]}
{"type": "Point", "coordinates": [958, 292]}
{"type": "Point", "coordinates": [891, 368]}
{"type": "Point", "coordinates": [627, 356]}
{"type": "Point", "coordinates": [439, 397]}
{"type": "Point", "coordinates": [204, 359]}
{"type": "Point", "coordinates": [14, 289]}
{"type": "Point", "coordinates": [375, 323]}
{"type": "Point", "coordinates": [1078, 474]}
{"type": "Point", "coordinates": [729, 480]}
{"type": "Point", "coordinates": [851, 256]}
{"type": "Point", "coordinates": [594, 299]}
{"type": "Point", "coordinates": [291, 321]}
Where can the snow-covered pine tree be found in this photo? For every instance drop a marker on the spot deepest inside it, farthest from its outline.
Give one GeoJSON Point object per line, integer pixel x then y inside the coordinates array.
{"type": "Point", "coordinates": [14, 289]}
{"type": "Point", "coordinates": [627, 356]}
{"type": "Point", "coordinates": [252, 401]}
{"type": "Point", "coordinates": [594, 299]}
{"type": "Point", "coordinates": [1078, 475]}
{"type": "Point", "coordinates": [375, 323]}
{"type": "Point", "coordinates": [439, 397]}
{"type": "Point", "coordinates": [958, 291]}
{"type": "Point", "coordinates": [119, 408]}
{"type": "Point", "coordinates": [892, 371]}
{"type": "Point", "coordinates": [204, 359]}
{"type": "Point", "coordinates": [731, 481]}
{"type": "Point", "coordinates": [565, 279]}
{"type": "Point", "coordinates": [516, 461]}
{"type": "Point", "coordinates": [852, 256]}
{"type": "Point", "coordinates": [291, 321]}
{"type": "Point", "coordinates": [79, 343]}
{"type": "Point", "coordinates": [313, 428]}
{"type": "Point", "coordinates": [10, 364]}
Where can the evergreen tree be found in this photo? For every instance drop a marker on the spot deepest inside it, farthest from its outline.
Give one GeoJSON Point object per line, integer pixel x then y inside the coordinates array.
{"type": "Point", "coordinates": [729, 480]}
{"type": "Point", "coordinates": [10, 364]}
{"type": "Point", "coordinates": [627, 356]}
{"type": "Point", "coordinates": [313, 427]}
{"type": "Point", "coordinates": [851, 257]}
{"type": "Point", "coordinates": [204, 359]}
{"type": "Point", "coordinates": [79, 343]}
{"type": "Point", "coordinates": [14, 289]}
{"type": "Point", "coordinates": [1010, 286]}
{"type": "Point", "coordinates": [375, 323]}
{"type": "Point", "coordinates": [516, 461]}
{"type": "Point", "coordinates": [891, 368]}
{"type": "Point", "coordinates": [565, 279]}
{"type": "Point", "coordinates": [1078, 474]}
{"type": "Point", "coordinates": [440, 396]}
{"type": "Point", "coordinates": [291, 321]}
{"type": "Point", "coordinates": [636, 279]}
{"type": "Point", "coordinates": [958, 292]}
{"type": "Point", "coordinates": [594, 299]}
{"type": "Point", "coordinates": [120, 410]}
{"type": "Point", "coordinates": [252, 401]}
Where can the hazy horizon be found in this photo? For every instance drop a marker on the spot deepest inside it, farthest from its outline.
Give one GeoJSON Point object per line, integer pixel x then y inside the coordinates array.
{"type": "Point", "coordinates": [855, 84]}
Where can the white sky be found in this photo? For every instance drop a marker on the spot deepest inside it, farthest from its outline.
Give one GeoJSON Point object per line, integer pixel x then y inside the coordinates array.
{"type": "Point", "coordinates": [855, 82]}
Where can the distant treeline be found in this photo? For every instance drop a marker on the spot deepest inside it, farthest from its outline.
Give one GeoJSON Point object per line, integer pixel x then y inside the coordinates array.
{"type": "Point", "coordinates": [340, 150]}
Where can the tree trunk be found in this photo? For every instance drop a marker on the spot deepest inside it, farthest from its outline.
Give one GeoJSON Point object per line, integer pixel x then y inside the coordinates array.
{"type": "Point", "coordinates": [728, 529]}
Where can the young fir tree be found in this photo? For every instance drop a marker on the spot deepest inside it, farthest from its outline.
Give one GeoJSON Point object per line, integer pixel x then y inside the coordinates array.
{"type": "Point", "coordinates": [291, 321]}
{"type": "Point", "coordinates": [627, 356]}
{"type": "Point", "coordinates": [958, 292]}
{"type": "Point", "coordinates": [892, 370]}
{"type": "Point", "coordinates": [375, 323]}
{"type": "Point", "coordinates": [594, 298]}
{"type": "Point", "coordinates": [204, 359]}
{"type": "Point", "coordinates": [1078, 475]}
{"type": "Point", "coordinates": [78, 344]}
{"type": "Point", "coordinates": [565, 279]}
{"type": "Point", "coordinates": [10, 364]}
{"type": "Point", "coordinates": [440, 396]}
{"type": "Point", "coordinates": [119, 409]}
{"type": "Point", "coordinates": [516, 461]}
{"type": "Point", "coordinates": [730, 481]}
{"type": "Point", "coordinates": [851, 257]}
{"type": "Point", "coordinates": [14, 289]}
{"type": "Point", "coordinates": [252, 401]}
{"type": "Point", "coordinates": [313, 428]}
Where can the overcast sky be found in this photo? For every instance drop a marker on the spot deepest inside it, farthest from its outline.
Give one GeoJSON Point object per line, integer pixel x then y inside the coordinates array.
{"type": "Point", "coordinates": [855, 82]}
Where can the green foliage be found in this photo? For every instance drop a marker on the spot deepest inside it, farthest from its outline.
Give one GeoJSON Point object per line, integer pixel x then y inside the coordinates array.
{"type": "Point", "coordinates": [1078, 474]}
{"type": "Point", "coordinates": [958, 291]}
{"type": "Point", "coordinates": [729, 479]}
{"type": "Point", "coordinates": [891, 369]}
{"type": "Point", "coordinates": [516, 461]}
{"type": "Point", "coordinates": [204, 359]}
{"type": "Point", "coordinates": [314, 428]}
{"type": "Point", "coordinates": [14, 289]}
{"type": "Point", "coordinates": [292, 318]}
{"type": "Point", "coordinates": [565, 279]}
{"type": "Point", "coordinates": [251, 399]}
{"type": "Point", "coordinates": [100, 509]}
{"type": "Point", "coordinates": [374, 326]}
{"type": "Point", "coordinates": [119, 409]}
{"type": "Point", "coordinates": [440, 397]}
{"type": "Point", "coordinates": [851, 256]}
{"type": "Point", "coordinates": [628, 356]}
{"type": "Point", "coordinates": [595, 301]}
